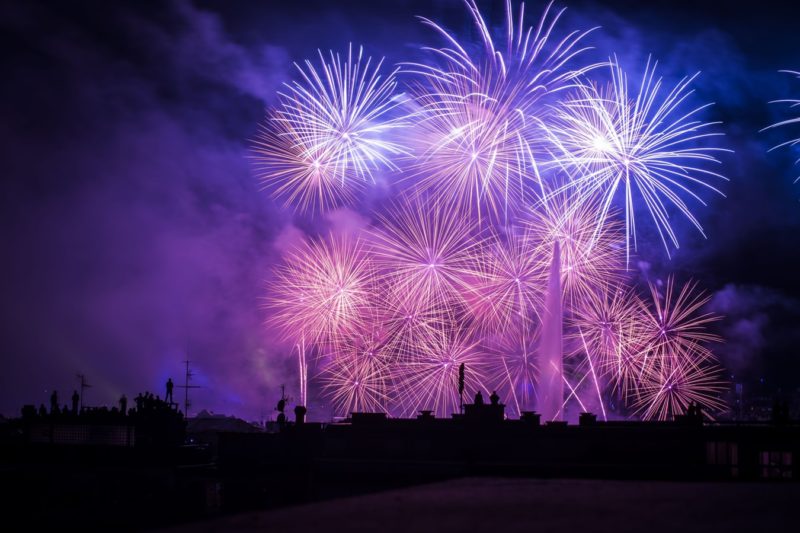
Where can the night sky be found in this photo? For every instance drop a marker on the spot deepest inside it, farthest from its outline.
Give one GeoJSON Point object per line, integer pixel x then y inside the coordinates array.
{"type": "Point", "coordinates": [134, 233]}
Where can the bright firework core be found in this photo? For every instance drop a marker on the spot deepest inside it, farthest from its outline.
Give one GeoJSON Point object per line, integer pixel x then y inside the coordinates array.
{"type": "Point", "coordinates": [504, 249]}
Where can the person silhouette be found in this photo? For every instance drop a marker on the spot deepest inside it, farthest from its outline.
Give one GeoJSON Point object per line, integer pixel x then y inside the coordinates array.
{"type": "Point", "coordinates": [479, 398]}
{"type": "Point", "coordinates": [54, 402]}
{"type": "Point", "coordinates": [123, 404]}
{"type": "Point", "coordinates": [494, 398]}
{"type": "Point", "coordinates": [75, 400]}
{"type": "Point", "coordinates": [168, 397]}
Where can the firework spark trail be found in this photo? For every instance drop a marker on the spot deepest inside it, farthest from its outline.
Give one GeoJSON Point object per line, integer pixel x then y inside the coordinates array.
{"type": "Point", "coordinates": [473, 133]}
{"type": "Point", "coordinates": [594, 376]}
{"type": "Point", "coordinates": [644, 147]}
{"type": "Point", "coordinates": [573, 393]}
{"type": "Point", "coordinates": [302, 370]}
{"type": "Point", "coordinates": [579, 366]}
{"type": "Point", "coordinates": [330, 133]}
{"type": "Point", "coordinates": [796, 120]}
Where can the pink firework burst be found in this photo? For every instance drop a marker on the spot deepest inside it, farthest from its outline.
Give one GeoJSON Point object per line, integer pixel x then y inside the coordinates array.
{"type": "Point", "coordinates": [322, 290]}
{"type": "Point", "coordinates": [508, 286]}
{"type": "Point", "coordinates": [589, 258]}
{"type": "Point", "coordinates": [679, 366]}
{"type": "Point", "coordinates": [407, 320]}
{"type": "Point", "coordinates": [356, 377]}
{"type": "Point", "coordinates": [667, 392]}
{"type": "Point", "coordinates": [424, 250]}
{"type": "Point", "coordinates": [609, 327]}
{"type": "Point", "coordinates": [675, 323]}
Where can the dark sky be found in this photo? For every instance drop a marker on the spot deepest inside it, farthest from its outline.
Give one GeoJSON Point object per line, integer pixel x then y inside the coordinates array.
{"type": "Point", "coordinates": [134, 234]}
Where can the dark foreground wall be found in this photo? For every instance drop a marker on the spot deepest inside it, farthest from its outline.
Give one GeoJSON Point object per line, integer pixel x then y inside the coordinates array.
{"type": "Point", "coordinates": [307, 463]}
{"type": "Point", "coordinates": [104, 487]}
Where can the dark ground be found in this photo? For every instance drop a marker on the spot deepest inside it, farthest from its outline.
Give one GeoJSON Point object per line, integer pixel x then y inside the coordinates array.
{"type": "Point", "coordinates": [508, 505]}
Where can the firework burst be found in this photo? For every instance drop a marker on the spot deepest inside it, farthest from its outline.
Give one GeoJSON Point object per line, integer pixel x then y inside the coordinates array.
{"type": "Point", "coordinates": [677, 367]}
{"type": "Point", "coordinates": [667, 393]}
{"type": "Point", "coordinates": [408, 319]}
{"type": "Point", "coordinates": [643, 148]}
{"type": "Point", "coordinates": [330, 132]}
{"type": "Point", "coordinates": [610, 329]}
{"type": "Point", "coordinates": [356, 377]}
{"type": "Point", "coordinates": [508, 286]}
{"type": "Point", "coordinates": [675, 324]}
{"type": "Point", "coordinates": [323, 290]}
{"type": "Point", "coordinates": [473, 128]}
{"type": "Point", "coordinates": [424, 250]}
